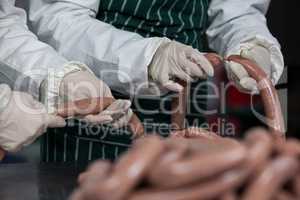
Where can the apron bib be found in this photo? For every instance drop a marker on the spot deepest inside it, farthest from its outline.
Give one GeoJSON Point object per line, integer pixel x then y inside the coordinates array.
{"type": "Point", "coordinates": [182, 20]}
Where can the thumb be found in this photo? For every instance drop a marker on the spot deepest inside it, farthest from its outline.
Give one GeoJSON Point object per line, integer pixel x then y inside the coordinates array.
{"type": "Point", "coordinates": [249, 84]}
{"type": "Point", "coordinates": [173, 86]}
{"type": "Point", "coordinates": [55, 121]}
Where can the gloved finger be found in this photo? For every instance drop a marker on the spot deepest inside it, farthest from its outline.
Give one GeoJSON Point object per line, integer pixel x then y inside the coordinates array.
{"type": "Point", "coordinates": [118, 106]}
{"type": "Point", "coordinates": [98, 119]}
{"type": "Point", "coordinates": [249, 84]}
{"type": "Point", "coordinates": [202, 61]}
{"type": "Point", "coordinates": [193, 69]}
{"type": "Point", "coordinates": [173, 86]}
{"type": "Point", "coordinates": [54, 121]}
{"type": "Point", "coordinates": [123, 121]}
{"type": "Point", "coordinates": [260, 55]}
{"type": "Point", "coordinates": [237, 70]}
{"type": "Point", "coordinates": [181, 74]}
{"type": "Point", "coordinates": [115, 111]}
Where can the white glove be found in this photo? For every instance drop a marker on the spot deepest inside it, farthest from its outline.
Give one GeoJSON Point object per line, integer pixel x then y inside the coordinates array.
{"type": "Point", "coordinates": [265, 54]}
{"type": "Point", "coordinates": [83, 85]}
{"type": "Point", "coordinates": [22, 119]}
{"type": "Point", "coordinates": [176, 60]}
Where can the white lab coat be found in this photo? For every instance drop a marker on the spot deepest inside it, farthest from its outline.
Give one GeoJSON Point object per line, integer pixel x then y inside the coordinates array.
{"type": "Point", "coordinates": [21, 53]}
{"type": "Point", "coordinates": [71, 28]}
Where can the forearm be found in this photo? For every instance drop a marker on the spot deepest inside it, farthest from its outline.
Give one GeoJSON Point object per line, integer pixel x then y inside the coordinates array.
{"type": "Point", "coordinates": [75, 33]}
{"type": "Point", "coordinates": [235, 24]}
{"type": "Point", "coordinates": [21, 50]}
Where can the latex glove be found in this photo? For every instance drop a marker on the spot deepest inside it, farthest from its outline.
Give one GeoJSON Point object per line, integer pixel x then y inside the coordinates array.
{"type": "Point", "coordinates": [83, 85]}
{"type": "Point", "coordinates": [176, 60]}
{"type": "Point", "coordinates": [23, 119]}
{"type": "Point", "coordinates": [236, 72]}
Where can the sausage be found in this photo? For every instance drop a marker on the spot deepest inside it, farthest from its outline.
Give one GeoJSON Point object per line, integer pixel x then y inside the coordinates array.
{"type": "Point", "coordinates": [260, 146]}
{"type": "Point", "coordinates": [229, 196]}
{"type": "Point", "coordinates": [274, 117]}
{"type": "Point", "coordinates": [179, 103]}
{"type": "Point", "coordinates": [211, 158]}
{"type": "Point", "coordinates": [275, 174]}
{"type": "Point", "coordinates": [179, 106]}
{"type": "Point", "coordinates": [97, 171]}
{"type": "Point", "coordinates": [296, 186]}
{"type": "Point", "coordinates": [211, 189]}
{"type": "Point", "coordinates": [131, 168]}
{"type": "Point", "coordinates": [94, 106]}
{"type": "Point", "coordinates": [84, 107]}
{"type": "Point", "coordinates": [290, 147]}
{"type": "Point", "coordinates": [285, 195]}
{"type": "Point", "coordinates": [136, 127]}
{"type": "Point", "coordinates": [194, 132]}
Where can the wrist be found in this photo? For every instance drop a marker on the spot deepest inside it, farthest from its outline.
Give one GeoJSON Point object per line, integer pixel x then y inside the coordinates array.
{"type": "Point", "coordinates": [152, 67]}
{"type": "Point", "coordinates": [50, 87]}
{"type": "Point", "coordinates": [276, 57]}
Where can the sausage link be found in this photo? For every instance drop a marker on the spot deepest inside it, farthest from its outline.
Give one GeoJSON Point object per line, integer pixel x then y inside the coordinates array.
{"type": "Point", "coordinates": [285, 195]}
{"type": "Point", "coordinates": [131, 168]}
{"type": "Point", "coordinates": [290, 147]}
{"type": "Point", "coordinates": [84, 107]}
{"type": "Point", "coordinates": [194, 132]}
{"type": "Point", "coordinates": [211, 189]}
{"type": "Point", "coordinates": [94, 106]}
{"type": "Point", "coordinates": [96, 172]}
{"type": "Point", "coordinates": [179, 103]}
{"type": "Point", "coordinates": [211, 159]}
{"type": "Point", "coordinates": [229, 196]}
{"type": "Point", "coordinates": [179, 106]}
{"type": "Point", "coordinates": [274, 117]}
{"type": "Point", "coordinates": [296, 186]}
{"type": "Point", "coordinates": [260, 146]}
{"type": "Point", "coordinates": [275, 174]}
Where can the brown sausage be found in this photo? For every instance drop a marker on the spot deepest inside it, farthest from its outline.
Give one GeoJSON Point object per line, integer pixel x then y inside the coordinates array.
{"type": "Point", "coordinates": [269, 96]}
{"type": "Point", "coordinates": [179, 103]}
{"type": "Point", "coordinates": [194, 132]}
{"type": "Point", "coordinates": [131, 168]}
{"type": "Point", "coordinates": [229, 196]}
{"type": "Point", "coordinates": [285, 195]}
{"type": "Point", "coordinates": [275, 174]}
{"type": "Point", "coordinates": [94, 106]}
{"type": "Point", "coordinates": [179, 106]}
{"type": "Point", "coordinates": [296, 186]}
{"type": "Point", "coordinates": [211, 158]}
{"type": "Point", "coordinates": [290, 147]}
{"type": "Point", "coordinates": [96, 172]}
{"type": "Point", "coordinates": [84, 107]}
{"type": "Point", "coordinates": [260, 146]}
{"type": "Point", "coordinates": [211, 189]}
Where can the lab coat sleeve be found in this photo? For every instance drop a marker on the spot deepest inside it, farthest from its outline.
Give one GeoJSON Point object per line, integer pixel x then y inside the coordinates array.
{"type": "Point", "coordinates": [118, 57]}
{"type": "Point", "coordinates": [238, 24]}
{"type": "Point", "coordinates": [21, 52]}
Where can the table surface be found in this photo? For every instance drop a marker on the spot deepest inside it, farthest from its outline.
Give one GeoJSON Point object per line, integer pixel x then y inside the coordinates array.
{"type": "Point", "coordinates": [37, 182]}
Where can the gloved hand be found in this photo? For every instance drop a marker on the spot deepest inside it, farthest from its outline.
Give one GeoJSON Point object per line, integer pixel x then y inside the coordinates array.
{"type": "Point", "coordinates": [236, 72]}
{"type": "Point", "coordinates": [176, 60]}
{"type": "Point", "coordinates": [22, 119]}
{"type": "Point", "coordinates": [83, 85]}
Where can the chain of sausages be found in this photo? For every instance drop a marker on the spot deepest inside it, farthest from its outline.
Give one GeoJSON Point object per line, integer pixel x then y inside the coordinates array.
{"type": "Point", "coordinates": [177, 168]}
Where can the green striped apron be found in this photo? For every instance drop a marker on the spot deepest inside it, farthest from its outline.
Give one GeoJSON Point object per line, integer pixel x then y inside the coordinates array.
{"type": "Point", "coordinates": [181, 20]}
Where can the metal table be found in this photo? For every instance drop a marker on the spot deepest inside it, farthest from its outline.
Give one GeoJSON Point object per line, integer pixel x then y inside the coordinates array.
{"type": "Point", "coordinates": [37, 182]}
